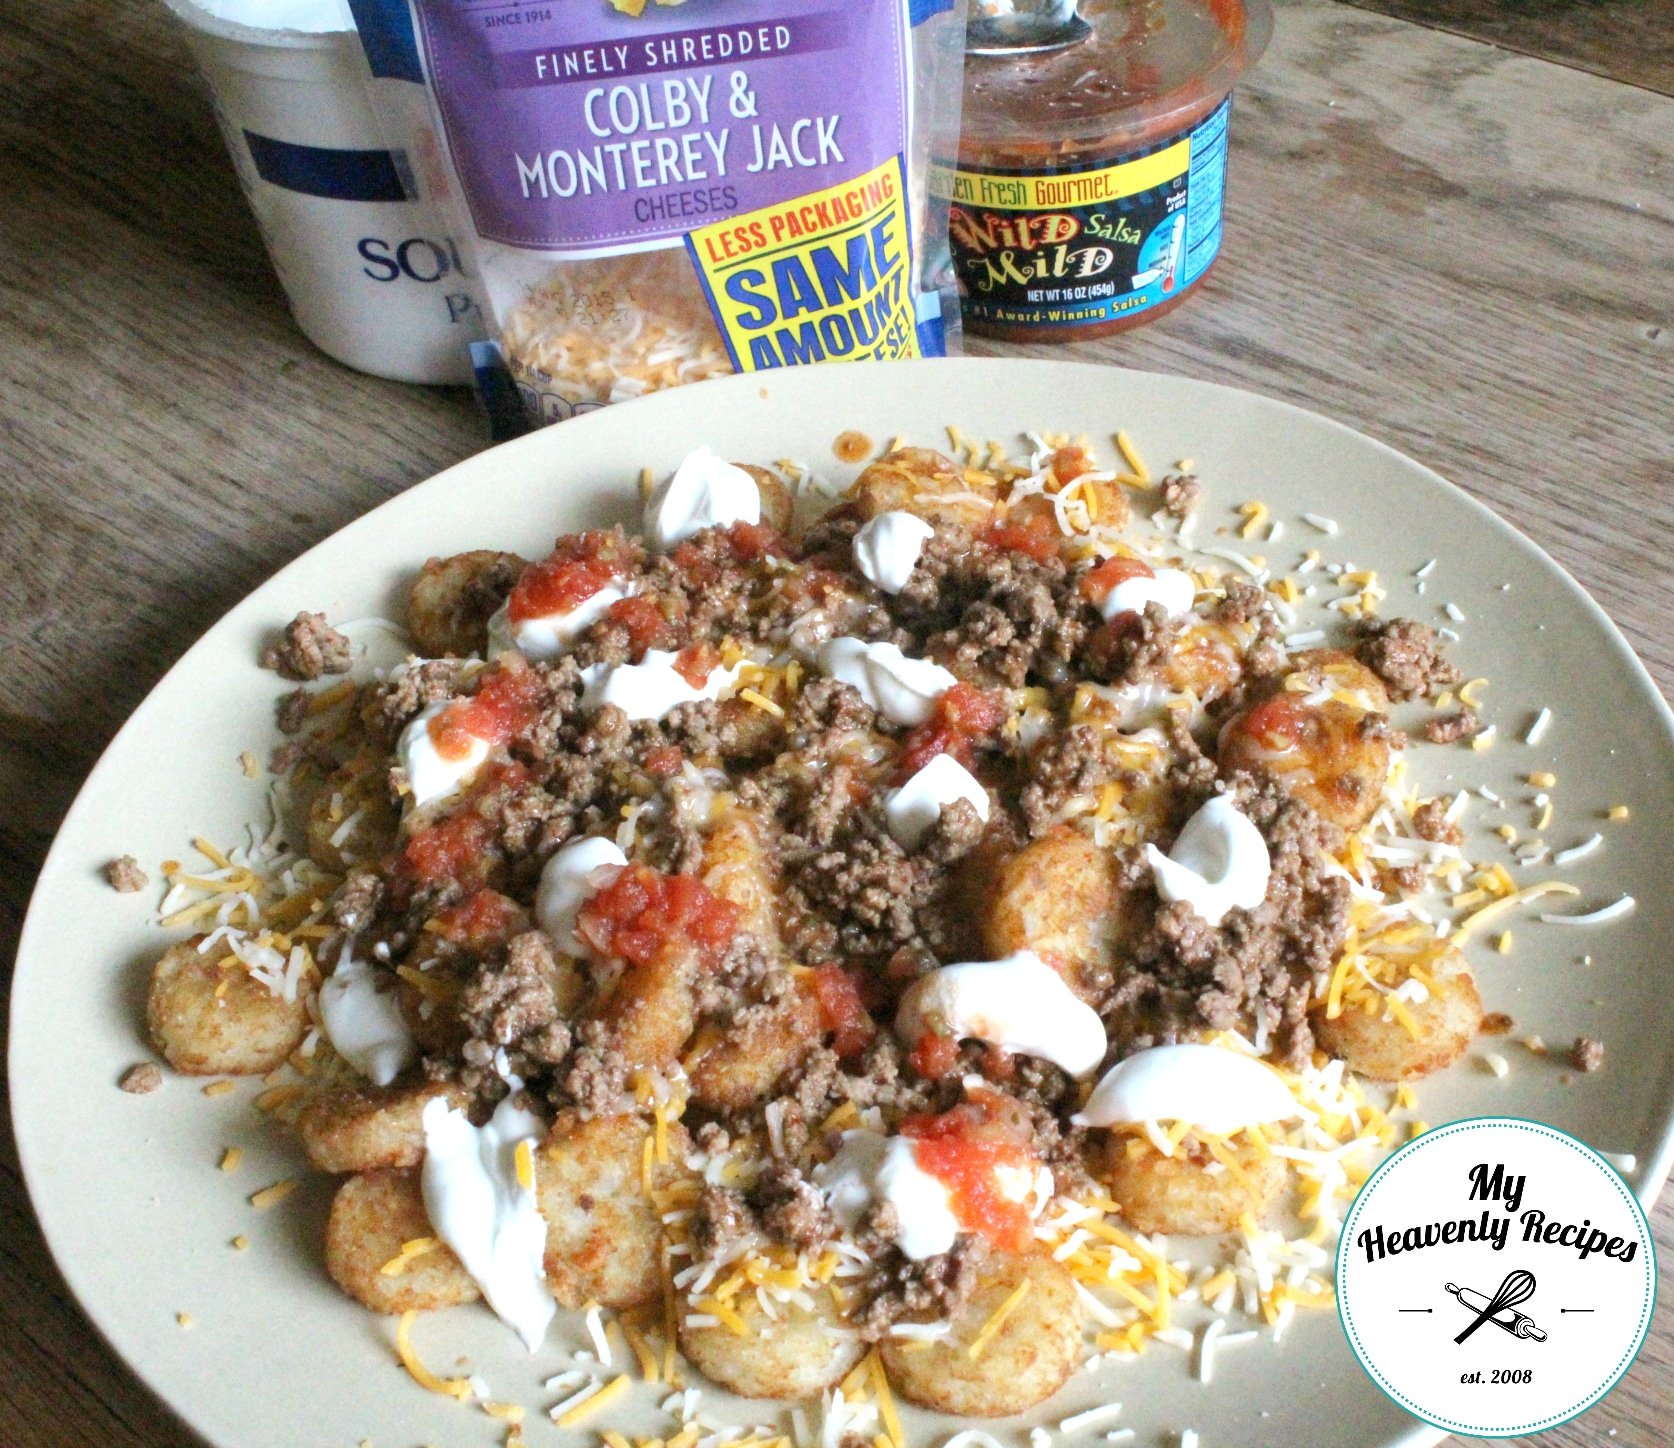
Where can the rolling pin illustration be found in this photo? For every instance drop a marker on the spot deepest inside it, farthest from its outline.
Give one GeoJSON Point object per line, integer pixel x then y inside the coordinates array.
{"type": "Point", "coordinates": [1498, 1310]}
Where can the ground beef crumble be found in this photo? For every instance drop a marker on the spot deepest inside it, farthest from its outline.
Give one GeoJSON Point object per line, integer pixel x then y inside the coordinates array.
{"type": "Point", "coordinates": [308, 648]}
{"type": "Point", "coordinates": [1450, 728]}
{"type": "Point", "coordinates": [125, 875]}
{"type": "Point", "coordinates": [1181, 494]}
{"type": "Point", "coordinates": [1587, 1054]}
{"type": "Point", "coordinates": [1408, 656]}
{"type": "Point", "coordinates": [141, 1080]}
{"type": "Point", "coordinates": [899, 1289]}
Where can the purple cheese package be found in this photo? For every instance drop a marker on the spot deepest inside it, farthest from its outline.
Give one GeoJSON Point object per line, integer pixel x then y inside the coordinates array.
{"type": "Point", "coordinates": [654, 192]}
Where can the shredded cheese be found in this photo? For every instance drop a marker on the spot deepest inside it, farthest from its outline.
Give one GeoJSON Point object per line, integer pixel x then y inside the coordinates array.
{"type": "Point", "coordinates": [457, 1388]}
{"type": "Point", "coordinates": [998, 1318]}
{"type": "Point", "coordinates": [1124, 445]}
{"type": "Point", "coordinates": [580, 1412]}
{"type": "Point", "coordinates": [273, 1195]}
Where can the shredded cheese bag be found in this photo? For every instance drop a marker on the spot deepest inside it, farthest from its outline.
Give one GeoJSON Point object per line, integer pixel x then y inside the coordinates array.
{"type": "Point", "coordinates": [652, 196]}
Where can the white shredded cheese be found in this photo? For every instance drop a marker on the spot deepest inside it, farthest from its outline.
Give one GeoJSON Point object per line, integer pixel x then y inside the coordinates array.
{"type": "Point", "coordinates": [1580, 851]}
{"type": "Point", "coordinates": [1613, 911]}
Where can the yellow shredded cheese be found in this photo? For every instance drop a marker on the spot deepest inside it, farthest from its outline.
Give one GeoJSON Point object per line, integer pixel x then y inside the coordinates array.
{"type": "Point", "coordinates": [412, 1248]}
{"type": "Point", "coordinates": [1489, 913]}
{"type": "Point", "coordinates": [761, 701]}
{"type": "Point", "coordinates": [456, 1388]}
{"type": "Point", "coordinates": [273, 1195]}
{"type": "Point", "coordinates": [1618, 812]}
{"type": "Point", "coordinates": [1124, 445]}
{"type": "Point", "coordinates": [611, 1391]}
{"type": "Point", "coordinates": [886, 1400]}
{"type": "Point", "coordinates": [1543, 779]}
{"type": "Point", "coordinates": [998, 1318]}
{"type": "Point", "coordinates": [642, 1351]}
{"type": "Point", "coordinates": [230, 1158]}
{"type": "Point", "coordinates": [272, 1100]}
{"type": "Point", "coordinates": [240, 1242]}
{"type": "Point", "coordinates": [524, 1158]}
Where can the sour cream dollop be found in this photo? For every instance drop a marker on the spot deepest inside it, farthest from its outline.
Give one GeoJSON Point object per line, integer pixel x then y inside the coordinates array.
{"type": "Point", "coordinates": [868, 1169]}
{"type": "Point", "coordinates": [705, 491]}
{"type": "Point", "coordinates": [431, 774]}
{"type": "Point", "coordinates": [903, 690]}
{"type": "Point", "coordinates": [1219, 862]}
{"type": "Point", "coordinates": [912, 810]}
{"type": "Point", "coordinates": [886, 550]}
{"type": "Point", "coordinates": [567, 883]}
{"type": "Point", "coordinates": [1019, 1004]}
{"type": "Point", "coordinates": [1171, 587]}
{"type": "Point", "coordinates": [1209, 1087]}
{"type": "Point", "coordinates": [550, 635]}
{"type": "Point", "coordinates": [363, 1022]}
{"type": "Point", "coordinates": [650, 688]}
{"type": "Point", "coordinates": [480, 1209]}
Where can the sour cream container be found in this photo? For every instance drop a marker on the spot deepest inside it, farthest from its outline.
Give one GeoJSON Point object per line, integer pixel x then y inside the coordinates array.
{"type": "Point", "coordinates": [1087, 194]}
{"type": "Point", "coordinates": [370, 276]}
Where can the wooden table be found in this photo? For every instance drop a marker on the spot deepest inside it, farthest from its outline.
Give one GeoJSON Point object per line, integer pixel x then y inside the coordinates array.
{"type": "Point", "coordinates": [1463, 248]}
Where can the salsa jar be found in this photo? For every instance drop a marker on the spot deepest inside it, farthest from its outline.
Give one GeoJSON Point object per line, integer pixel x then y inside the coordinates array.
{"type": "Point", "coordinates": [1087, 194]}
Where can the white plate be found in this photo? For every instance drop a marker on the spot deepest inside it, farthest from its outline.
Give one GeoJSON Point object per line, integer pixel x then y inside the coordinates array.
{"type": "Point", "coordinates": [127, 1188]}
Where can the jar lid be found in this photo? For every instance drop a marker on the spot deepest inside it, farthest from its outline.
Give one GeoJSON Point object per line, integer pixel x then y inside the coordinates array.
{"type": "Point", "coordinates": [1149, 68]}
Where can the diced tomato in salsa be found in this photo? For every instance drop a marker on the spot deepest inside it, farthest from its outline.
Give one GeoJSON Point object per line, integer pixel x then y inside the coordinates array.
{"type": "Point", "coordinates": [507, 701]}
{"type": "Point", "coordinates": [664, 760]}
{"type": "Point", "coordinates": [843, 1010]}
{"type": "Point", "coordinates": [962, 715]}
{"type": "Point", "coordinates": [962, 1149]}
{"type": "Point", "coordinates": [479, 921]}
{"type": "Point", "coordinates": [648, 626]}
{"type": "Point", "coordinates": [934, 1056]}
{"type": "Point", "coordinates": [1098, 584]}
{"type": "Point", "coordinates": [696, 663]}
{"type": "Point", "coordinates": [643, 912]}
{"type": "Point", "coordinates": [1036, 535]}
{"type": "Point", "coordinates": [751, 542]}
{"type": "Point", "coordinates": [1278, 722]}
{"type": "Point", "coordinates": [578, 567]}
{"type": "Point", "coordinates": [451, 849]}
{"type": "Point", "coordinates": [1069, 463]}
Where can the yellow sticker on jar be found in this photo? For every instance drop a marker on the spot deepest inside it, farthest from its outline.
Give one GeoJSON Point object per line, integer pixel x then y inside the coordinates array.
{"type": "Point", "coordinates": [825, 277]}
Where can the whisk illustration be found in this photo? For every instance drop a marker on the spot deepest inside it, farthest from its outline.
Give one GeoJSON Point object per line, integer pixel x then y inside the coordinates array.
{"type": "Point", "coordinates": [1499, 1309]}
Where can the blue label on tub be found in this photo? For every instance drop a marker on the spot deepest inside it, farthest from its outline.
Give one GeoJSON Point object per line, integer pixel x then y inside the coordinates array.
{"type": "Point", "coordinates": [326, 171]}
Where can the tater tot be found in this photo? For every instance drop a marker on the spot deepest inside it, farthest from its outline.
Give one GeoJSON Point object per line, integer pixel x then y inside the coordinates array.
{"type": "Point", "coordinates": [1378, 1045]}
{"type": "Point", "coordinates": [1026, 1360]}
{"type": "Point", "coordinates": [351, 817]}
{"type": "Point", "coordinates": [747, 1066]}
{"type": "Point", "coordinates": [778, 507]}
{"type": "Point", "coordinates": [372, 1217]}
{"type": "Point", "coordinates": [368, 1128]}
{"type": "Point", "coordinates": [1060, 898]}
{"type": "Point", "coordinates": [920, 481]}
{"type": "Point", "coordinates": [213, 1021]}
{"type": "Point", "coordinates": [651, 1010]}
{"type": "Point", "coordinates": [1188, 1194]}
{"type": "Point", "coordinates": [450, 602]}
{"type": "Point", "coordinates": [795, 1356]}
{"type": "Point", "coordinates": [1332, 755]}
{"type": "Point", "coordinates": [604, 1237]}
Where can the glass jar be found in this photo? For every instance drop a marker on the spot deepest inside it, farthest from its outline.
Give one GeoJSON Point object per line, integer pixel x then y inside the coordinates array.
{"type": "Point", "coordinates": [1087, 194]}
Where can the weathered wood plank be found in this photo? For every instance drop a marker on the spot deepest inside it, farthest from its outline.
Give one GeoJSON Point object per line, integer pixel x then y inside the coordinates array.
{"type": "Point", "coordinates": [1626, 40]}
